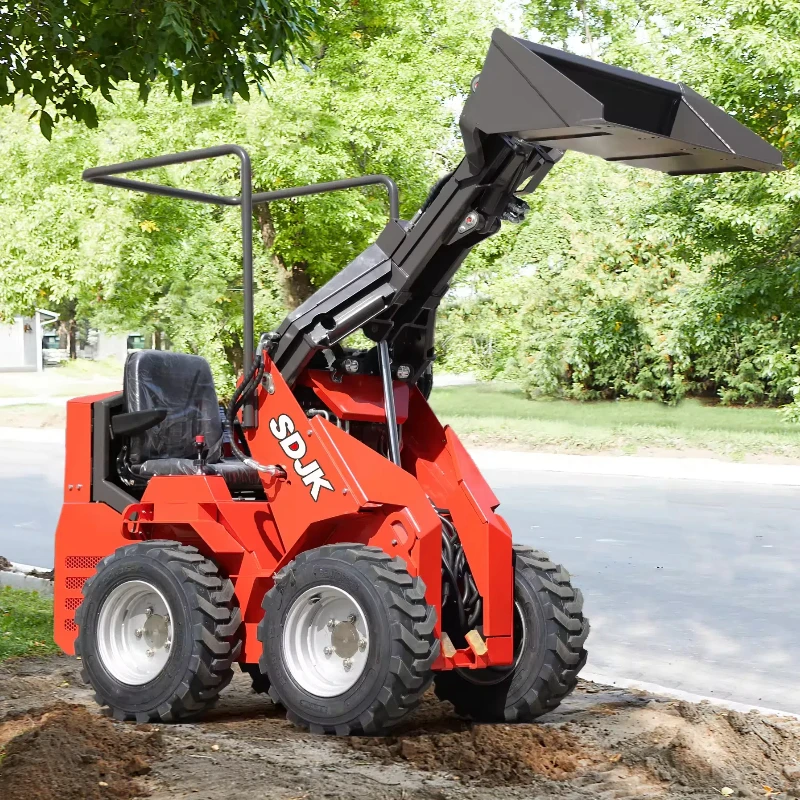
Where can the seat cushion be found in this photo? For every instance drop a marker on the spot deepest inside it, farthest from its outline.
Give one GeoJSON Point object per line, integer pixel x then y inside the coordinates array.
{"type": "Point", "coordinates": [184, 386]}
{"type": "Point", "coordinates": [236, 474]}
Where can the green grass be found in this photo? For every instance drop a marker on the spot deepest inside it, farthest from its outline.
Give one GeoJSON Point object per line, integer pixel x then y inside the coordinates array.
{"type": "Point", "coordinates": [86, 368]}
{"type": "Point", "coordinates": [66, 390]}
{"type": "Point", "coordinates": [501, 415]}
{"type": "Point", "coordinates": [15, 391]}
{"type": "Point", "coordinates": [67, 379]}
{"type": "Point", "coordinates": [26, 624]}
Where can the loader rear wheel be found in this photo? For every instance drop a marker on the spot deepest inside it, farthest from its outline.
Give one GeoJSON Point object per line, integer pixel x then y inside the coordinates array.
{"type": "Point", "coordinates": [347, 640]}
{"type": "Point", "coordinates": [549, 632]}
{"type": "Point", "coordinates": [158, 631]}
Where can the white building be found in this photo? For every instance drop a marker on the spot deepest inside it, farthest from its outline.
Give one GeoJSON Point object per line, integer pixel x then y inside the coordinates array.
{"type": "Point", "coordinates": [21, 342]}
{"type": "Point", "coordinates": [28, 344]}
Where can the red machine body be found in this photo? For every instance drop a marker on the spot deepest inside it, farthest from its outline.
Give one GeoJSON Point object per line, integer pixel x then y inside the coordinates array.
{"type": "Point", "coordinates": [337, 489]}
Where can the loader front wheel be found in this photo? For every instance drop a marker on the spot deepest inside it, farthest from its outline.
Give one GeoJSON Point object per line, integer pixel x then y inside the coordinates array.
{"type": "Point", "coordinates": [347, 640]}
{"type": "Point", "coordinates": [549, 631]}
{"type": "Point", "coordinates": [158, 632]}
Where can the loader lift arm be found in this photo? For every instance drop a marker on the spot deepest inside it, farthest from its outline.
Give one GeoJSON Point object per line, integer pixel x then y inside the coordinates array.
{"type": "Point", "coordinates": [530, 104]}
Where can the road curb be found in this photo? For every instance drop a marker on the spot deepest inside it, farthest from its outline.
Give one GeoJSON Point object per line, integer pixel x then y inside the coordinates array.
{"type": "Point", "coordinates": [19, 577]}
{"type": "Point", "coordinates": [685, 469]}
{"type": "Point", "coordinates": [679, 694]}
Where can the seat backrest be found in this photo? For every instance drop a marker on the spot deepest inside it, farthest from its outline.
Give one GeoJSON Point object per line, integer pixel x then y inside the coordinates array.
{"type": "Point", "coordinates": [182, 384]}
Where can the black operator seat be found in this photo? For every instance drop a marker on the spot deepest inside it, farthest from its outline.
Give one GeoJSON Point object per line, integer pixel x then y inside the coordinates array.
{"type": "Point", "coordinates": [182, 385]}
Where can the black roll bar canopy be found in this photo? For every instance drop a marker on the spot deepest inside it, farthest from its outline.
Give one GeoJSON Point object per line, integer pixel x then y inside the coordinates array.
{"type": "Point", "coordinates": [108, 176]}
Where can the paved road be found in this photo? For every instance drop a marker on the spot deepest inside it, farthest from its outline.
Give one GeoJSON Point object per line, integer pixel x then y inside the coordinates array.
{"type": "Point", "coordinates": [31, 489]}
{"type": "Point", "coordinates": [692, 585]}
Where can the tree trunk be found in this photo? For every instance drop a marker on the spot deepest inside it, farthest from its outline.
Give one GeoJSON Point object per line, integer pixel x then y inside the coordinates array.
{"type": "Point", "coordinates": [72, 332]}
{"type": "Point", "coordinates": [234, 353]}
{"type": "Point", "coordinates": [68, 327]}
{"type": "Point", "coordinates": [294, 282]}
{"type": "Point", "coordinates": [586, 28]}
{"type": "Point", "coordinates": [156, 339]}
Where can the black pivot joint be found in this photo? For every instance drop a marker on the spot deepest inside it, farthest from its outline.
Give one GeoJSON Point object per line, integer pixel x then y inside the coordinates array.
{"type": "Point", "coordinates": [516, 211]}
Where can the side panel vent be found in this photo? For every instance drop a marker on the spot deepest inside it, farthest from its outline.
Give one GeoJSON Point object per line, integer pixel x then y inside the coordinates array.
{"type": "Point", "coordinates": [82, 562]}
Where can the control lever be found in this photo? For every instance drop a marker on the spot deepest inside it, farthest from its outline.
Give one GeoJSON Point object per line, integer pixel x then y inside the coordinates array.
{"type": "Point", "coordinates": [201, 454]}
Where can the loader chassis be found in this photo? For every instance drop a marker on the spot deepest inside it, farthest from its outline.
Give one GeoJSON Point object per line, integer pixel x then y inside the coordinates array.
{"type": "Point", "coordinates": [370, 501]}
{"type": "Point", "coordinates": [334, 538]}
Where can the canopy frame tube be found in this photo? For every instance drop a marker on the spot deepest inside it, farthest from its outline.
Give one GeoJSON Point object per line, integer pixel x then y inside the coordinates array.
{"type": "Point", "coordinates": [246, 200]}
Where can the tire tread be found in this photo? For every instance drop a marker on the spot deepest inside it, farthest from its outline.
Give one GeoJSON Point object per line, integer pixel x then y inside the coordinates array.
{"type": "Point", "coordinates": [411, 629]}
{"type": "Point", "coordinates": [215, 630]}
{"type": "Point", "coordinates": [566, 632]}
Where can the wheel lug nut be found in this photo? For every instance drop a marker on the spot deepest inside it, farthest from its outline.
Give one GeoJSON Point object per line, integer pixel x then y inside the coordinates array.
{"type": "Point", "coordinates": [138, 633]}
{"type": "Point", "coordinates": [150, 653]}
{"type": "Point", "coordinates": [166, 618]}
{"type": "Point", "coordinates": [362, 645]}
{"type": "Point", "coordinates": [327, 650]}
{"type": "Point", "coordinates": [149, 611]}
{"type": "Point", "coordinates": [347, 663]}
{"type": "Point", "coordinates": [331, 624]}
{"type": "Point", "coordinates": [352, 619]}
{"type": "Point", "coordinates": [167, 644]}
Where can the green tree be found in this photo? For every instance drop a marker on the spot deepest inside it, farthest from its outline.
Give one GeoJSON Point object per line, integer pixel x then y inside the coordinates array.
{"type": "Point", "coordinates": [60, 53]}
{"type": "Point", "coordinates": [709, 264]}
{"type": "Point", "coordinates": [371, 98]}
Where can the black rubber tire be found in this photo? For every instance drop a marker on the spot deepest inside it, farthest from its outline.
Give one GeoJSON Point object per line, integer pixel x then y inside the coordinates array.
{"type": "Point", "coordinates": [260, 681]}
{"type": "Point", "coordinates": [206, 639]}
{"type": "Point", "coordinates": [402, 645]}
{"type": "Point", "coordinates": [547, 668]}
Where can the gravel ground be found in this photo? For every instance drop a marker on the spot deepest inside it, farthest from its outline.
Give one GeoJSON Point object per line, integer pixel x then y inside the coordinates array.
{"type": "Point", "coordinates": [602, 743]}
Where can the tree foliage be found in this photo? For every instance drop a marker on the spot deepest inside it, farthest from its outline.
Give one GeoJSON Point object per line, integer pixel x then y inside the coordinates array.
{"type": "Point", "coordinates": [60, 53]}
{"type": "Point", "coordinates": [371, 98]}
{"type": "Point", "coordinates": [623, 282]}
{"type": "Point", "coordinates": [627, 283]}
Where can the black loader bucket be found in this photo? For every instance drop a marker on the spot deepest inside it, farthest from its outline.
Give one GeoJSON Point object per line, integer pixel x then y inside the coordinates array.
{"type": "Point", "coordinates": [567, 102]}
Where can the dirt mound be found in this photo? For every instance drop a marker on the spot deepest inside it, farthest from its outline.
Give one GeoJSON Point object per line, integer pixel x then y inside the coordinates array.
{"type": "Point", "coordinates": [68, 753]}
{"type": "Point", "coordinates": [602, 742]}
{"type": "Point", "coordinates": [689, 745]}
{"type": "Point", "coordinates": [635, 747]}
{"type": "Point", "coordinates": [486, 753]}
{"type": "Point", "coordinates": [499, 754]}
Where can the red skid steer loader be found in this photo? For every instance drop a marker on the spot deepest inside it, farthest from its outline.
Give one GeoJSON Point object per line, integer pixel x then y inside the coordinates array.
{"type": "Point", "coordinates": [328, 534]}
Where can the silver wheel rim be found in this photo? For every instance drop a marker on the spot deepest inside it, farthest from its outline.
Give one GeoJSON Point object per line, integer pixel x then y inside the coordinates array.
{"type": "Point", "coordinates": [325, 641]}
{"type": "Point", "coordinates": [134, 633]}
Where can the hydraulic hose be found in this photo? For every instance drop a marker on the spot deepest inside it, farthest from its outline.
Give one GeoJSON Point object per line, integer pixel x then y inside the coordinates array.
{"type": "Point", "coordinates": [458, 585]}
{"type": "Point", "coordinates": [241, 394]}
